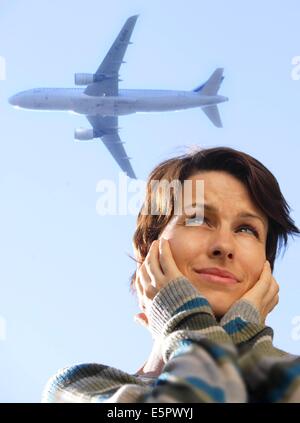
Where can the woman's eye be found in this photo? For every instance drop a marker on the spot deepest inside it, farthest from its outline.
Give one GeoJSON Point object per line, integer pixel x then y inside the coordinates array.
{"type": "Point", "coordinates": [195, 220]}
{"type": "Point", "coordinates": [250, 228]}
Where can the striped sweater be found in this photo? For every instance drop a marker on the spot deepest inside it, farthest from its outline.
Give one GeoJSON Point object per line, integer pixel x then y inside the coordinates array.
{"type": "Point", "coordinates": [205, 360]}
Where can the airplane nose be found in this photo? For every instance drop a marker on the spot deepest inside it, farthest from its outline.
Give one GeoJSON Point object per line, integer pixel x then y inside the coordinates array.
{"type": "Point", "coordinates": [13, 100]}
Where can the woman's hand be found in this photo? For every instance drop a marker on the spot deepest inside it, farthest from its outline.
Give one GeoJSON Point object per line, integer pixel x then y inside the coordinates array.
{"type": "Point", "coordinates": [264, 294]}
{"type": "Point", "coordinates": [157, 270]}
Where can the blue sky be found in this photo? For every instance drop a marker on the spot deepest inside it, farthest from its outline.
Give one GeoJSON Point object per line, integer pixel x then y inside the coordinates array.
{"type": "Point", "coordinates": [64, 269]}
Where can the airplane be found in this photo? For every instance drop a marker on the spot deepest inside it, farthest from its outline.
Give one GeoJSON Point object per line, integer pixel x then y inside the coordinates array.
{"type": "Point", "coordinates": [101, 101]}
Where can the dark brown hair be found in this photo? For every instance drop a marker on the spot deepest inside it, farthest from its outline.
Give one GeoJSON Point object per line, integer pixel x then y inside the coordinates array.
{"type": "Point", "coordinates": [262, 186]}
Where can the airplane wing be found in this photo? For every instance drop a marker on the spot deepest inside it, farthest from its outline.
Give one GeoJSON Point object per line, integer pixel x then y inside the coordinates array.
{"type": "Point", "coordinates": [108, 71]}
{"type": "Point", "coordinates": [106, 128]}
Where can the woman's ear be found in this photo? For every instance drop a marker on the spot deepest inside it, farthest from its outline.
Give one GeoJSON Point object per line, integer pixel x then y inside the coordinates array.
{"type": "Point", "coordinates": [142, 319]}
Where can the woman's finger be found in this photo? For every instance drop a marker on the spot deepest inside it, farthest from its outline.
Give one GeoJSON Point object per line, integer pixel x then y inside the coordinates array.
{"type": "Point", "coordinates": [138, 285]}
{"type": "Point", "coordinates": [152, 264]}
{"type": "Point", "coordinates": [149, 291]}
{"type": "Point", "coordinates": [166, 259]}
{"type": "Point", "coordinates": [273, 303]}
{"type": "Point", "coordinates": [274, 288]}
{"type": "Point", "coordinates": [162, 256]}
{"type": "Point", "coordinates": [144, 276]}
{"type": "Point", "coordinates": [263, 284]}
{"type": "Point", "coordinates": [259, 293]}
{"type": "Point", "coordinates": [139, 292]}
{"type": "Point", "coordinates": [272, 293]}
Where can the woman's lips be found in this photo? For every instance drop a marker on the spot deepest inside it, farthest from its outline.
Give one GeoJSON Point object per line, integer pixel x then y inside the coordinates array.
{"type": "Point", "coordinates": [216, 278]}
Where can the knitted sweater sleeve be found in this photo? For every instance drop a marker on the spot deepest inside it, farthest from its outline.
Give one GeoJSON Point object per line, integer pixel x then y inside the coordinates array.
{"type": "Point", "coordinates": [270, 374]}
{"type": "Point", "coordinates": [200, 357]}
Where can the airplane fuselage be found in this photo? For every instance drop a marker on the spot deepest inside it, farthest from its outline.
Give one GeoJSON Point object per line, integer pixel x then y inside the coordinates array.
{"type": "Point", "coordinates": [101, 100]}
{"type": "Point", "coordinates": [127, 101]}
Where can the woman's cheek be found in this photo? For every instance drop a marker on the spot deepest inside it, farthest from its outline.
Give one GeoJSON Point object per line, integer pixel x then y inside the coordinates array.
{"type": "Point", "coordinates": [254, 272]}
{"type": "Point", "coordinates": [178, 252]}
{"type": "Point", "coordinates": [187, 251]}
{"type": "Point", "coordinates": [251, 257]}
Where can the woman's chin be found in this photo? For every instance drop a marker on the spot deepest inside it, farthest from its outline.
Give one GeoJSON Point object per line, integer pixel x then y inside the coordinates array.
{"type": "Point", "coordinates": [220, 310]}
{"type": "Point", "coordinates": [220, 300]}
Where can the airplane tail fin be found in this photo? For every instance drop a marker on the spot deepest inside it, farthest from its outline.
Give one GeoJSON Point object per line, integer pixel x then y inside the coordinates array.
{"type": "Point", "coordinates": [212, 85]}
{"type": "Point", "coordinates": [212, 112]}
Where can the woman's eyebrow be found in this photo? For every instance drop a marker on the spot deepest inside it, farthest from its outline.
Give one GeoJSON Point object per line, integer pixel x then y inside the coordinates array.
{"type": "Point", "coordinates": [210, 208]}
{"type": "Point", "coordinates": [252, 215]}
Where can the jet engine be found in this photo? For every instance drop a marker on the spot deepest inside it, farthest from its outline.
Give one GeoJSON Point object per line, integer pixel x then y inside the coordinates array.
{"type": "Point", "coordinates": [83, 134]}
{"type": "Point", "coordinates": [84, 78]}
{"type": "Point", "coordinates": [89, 78]}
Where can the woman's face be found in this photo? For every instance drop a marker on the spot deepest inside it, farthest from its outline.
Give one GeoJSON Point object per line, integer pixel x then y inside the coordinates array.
{"type": "Point", "coordinates": [227, 240]}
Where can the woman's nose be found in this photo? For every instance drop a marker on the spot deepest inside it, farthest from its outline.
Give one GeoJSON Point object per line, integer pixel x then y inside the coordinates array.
{"type": "Point", "coordinates": [219, 252]}
{"type": "Point", "coordinates": [222, 245]}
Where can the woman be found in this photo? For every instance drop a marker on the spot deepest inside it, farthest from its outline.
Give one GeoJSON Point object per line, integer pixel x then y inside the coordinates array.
{"type": "Point", "coordinates": [205, 287]}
